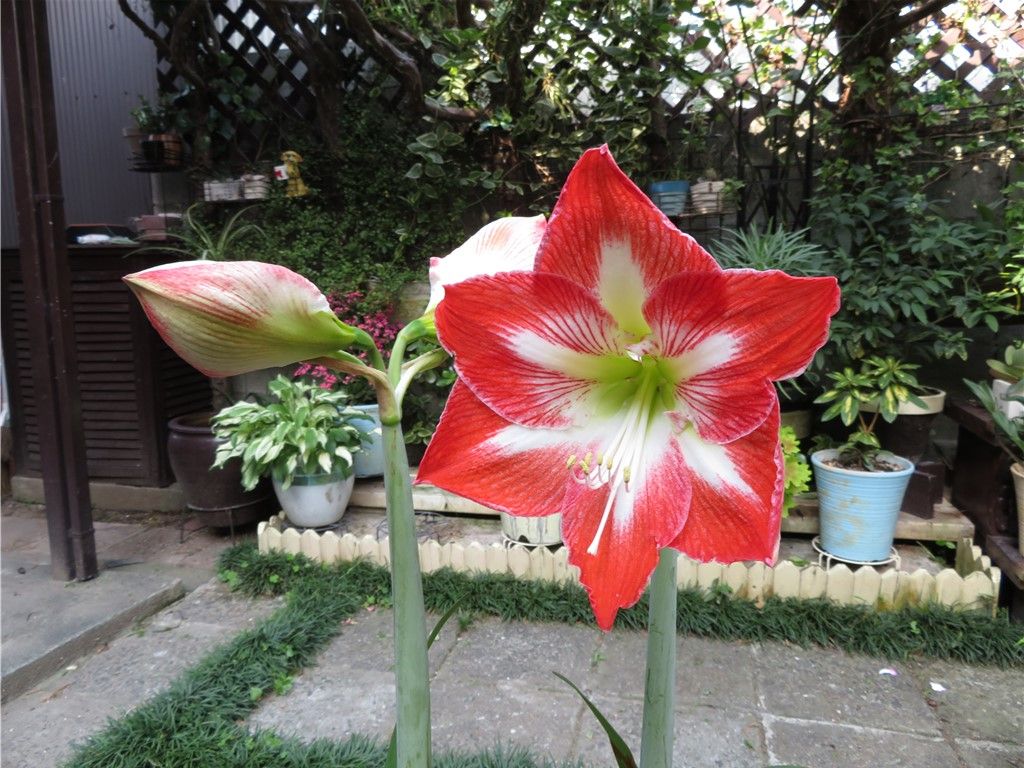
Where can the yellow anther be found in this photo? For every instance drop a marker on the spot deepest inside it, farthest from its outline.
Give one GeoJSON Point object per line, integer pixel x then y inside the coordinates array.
{"type": "Point", "coordinates": [625, 475]}
{"type": "Point", "coordinates": [570, 461]}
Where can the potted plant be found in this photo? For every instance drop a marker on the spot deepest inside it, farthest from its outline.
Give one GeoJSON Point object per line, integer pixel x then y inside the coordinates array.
{"type": "Point", "coordinates": [304, 441]}
{"type": "Point", "coordinates": [191, 444]}
{"type": "Point", "coordinates": [1006, 374]}
{"type": "Point", "coordinates": [861, 487]}
{"type": "Point", "coordinates": [1010, 431]}
{"type": "Point", "coordinates": [156, 145]}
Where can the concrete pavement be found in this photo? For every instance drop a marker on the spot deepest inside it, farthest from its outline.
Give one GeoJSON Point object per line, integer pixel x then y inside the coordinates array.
{"type": "Point", "coordinates": [738, 704]}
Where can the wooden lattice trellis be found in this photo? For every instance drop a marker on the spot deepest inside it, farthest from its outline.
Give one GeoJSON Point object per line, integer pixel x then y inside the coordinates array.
{"type": "Point", "coordinates": [278, 85]}
{"type": "Point", "coordinates": [274, 78]}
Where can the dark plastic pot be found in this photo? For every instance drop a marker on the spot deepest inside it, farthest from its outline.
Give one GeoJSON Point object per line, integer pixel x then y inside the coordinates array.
{"type": "Point", "coordinates": [216, 494]}
{"type": "Point", "coordinates": [910, 434]}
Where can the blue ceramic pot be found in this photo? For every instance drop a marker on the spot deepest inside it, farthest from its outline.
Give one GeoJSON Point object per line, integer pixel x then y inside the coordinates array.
{"type": "Point", "coordinates": [858, 510]}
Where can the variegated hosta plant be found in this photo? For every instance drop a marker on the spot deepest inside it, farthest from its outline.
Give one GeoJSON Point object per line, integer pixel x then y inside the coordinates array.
{"type": "Point", "coordinates": [609, 370]}
{"type": "Point", "coordinates": [308, 430]}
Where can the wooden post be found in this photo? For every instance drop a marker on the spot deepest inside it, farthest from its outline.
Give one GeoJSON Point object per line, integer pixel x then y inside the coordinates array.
{"type": "Point", "coordinates": [44, 262]}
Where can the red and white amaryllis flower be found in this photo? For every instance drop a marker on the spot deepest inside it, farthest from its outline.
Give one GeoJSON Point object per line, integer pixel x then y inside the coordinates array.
{"type": "Point", "coordinates": [625, 382]}
{"type": "Point", "coordinates": [231, 317]}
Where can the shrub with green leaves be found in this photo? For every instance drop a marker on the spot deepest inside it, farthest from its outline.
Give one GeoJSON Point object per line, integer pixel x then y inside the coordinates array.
{"type": "Point", "coordinates": [796, 473]}
{"type": "Point", "coordinates": [307, 431]}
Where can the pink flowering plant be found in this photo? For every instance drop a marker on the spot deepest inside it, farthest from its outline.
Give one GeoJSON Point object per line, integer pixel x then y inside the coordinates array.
{"type": "Point", "coordinates": [608, 369]}
{"type": "Point", "coordinates": [350, 308]}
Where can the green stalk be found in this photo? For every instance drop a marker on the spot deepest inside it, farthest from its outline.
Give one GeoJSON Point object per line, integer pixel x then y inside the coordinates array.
{"type": "Point", "coordinates": [411, 682]}
{"type": "Point", "coordinates": [659, 688]}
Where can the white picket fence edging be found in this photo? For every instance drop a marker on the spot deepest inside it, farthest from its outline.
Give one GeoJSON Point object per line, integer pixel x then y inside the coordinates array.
{"type": "Point", "coordinates": [973, 584]}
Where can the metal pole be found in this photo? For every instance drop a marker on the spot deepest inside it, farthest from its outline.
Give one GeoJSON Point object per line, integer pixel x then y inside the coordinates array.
{"type": "Point", "coordinates": [46, 274]}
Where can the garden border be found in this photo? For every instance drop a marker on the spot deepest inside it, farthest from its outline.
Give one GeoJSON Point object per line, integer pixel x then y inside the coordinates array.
{"type": "Point", "coordinates": [972, 585]}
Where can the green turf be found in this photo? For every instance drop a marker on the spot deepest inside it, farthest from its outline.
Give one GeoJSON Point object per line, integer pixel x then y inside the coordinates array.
{"type": "Point", "coordinates": [973, 637]}
{"type": "Point", "coordinates": [199, 720]}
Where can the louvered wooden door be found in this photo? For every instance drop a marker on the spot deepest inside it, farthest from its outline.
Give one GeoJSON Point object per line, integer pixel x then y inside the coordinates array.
{"type": "Point", "coordinates": [131, 383]}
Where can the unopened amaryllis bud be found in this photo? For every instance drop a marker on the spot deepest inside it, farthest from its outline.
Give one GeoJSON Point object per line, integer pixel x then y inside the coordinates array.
{"type": "Point", "coordinates": [231, 317]}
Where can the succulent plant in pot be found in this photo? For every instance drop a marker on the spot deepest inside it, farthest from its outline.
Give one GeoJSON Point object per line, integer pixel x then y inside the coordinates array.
{"type": "Point", "coordinates": [860, 486]}
{"type": "Point", "coordinates": [304, 441]}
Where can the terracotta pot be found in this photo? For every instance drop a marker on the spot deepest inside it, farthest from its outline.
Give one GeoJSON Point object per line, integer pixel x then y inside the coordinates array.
{"type": "Point", "coordinates": [216, 494]}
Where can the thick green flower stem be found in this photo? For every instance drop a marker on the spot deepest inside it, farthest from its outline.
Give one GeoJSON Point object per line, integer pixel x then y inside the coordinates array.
{"type": "Point", "coordinates": [659, 687]}
{"type": "Point", "coordinates": [412, 685]}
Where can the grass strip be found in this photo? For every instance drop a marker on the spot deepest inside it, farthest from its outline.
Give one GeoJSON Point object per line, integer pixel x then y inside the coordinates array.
{"type": "Point", "coordinates": [199, 720]}
{"type": "Point", "coordinates": [928, 631]}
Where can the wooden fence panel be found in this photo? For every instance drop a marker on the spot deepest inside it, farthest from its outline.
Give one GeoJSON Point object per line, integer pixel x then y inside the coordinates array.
{"type": "Point", "coordinates": [973, 585]}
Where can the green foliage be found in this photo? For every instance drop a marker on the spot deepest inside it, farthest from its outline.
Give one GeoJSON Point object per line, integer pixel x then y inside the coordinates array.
{"type": "Point", "coordinates": [880, 386]}
{"type": "Point", "coordinates": [308, 431]}
{"type": "Point", "coordinates": [547, 80]}
{"type": "Point", "coordinates": [1011, 431]}
{"type": "Point", "coordinates": [202, 239]}
{"type": "Point", "coordinates": [796, 473]}
{"type": "Point", "coordinates": [1011, 367]}
{"type": "Point", "coordinates": [973, 637]}
{"type": "Point", "coordinates": [772, 248]}
{"type": "Point", "coordinates": [154, 118]}
{"type": "Point", "coordinates": [911, 277]}
{"type": "Point", "coordinates": [364, 226]}
{"type": "Point", "coordinates": [425, 399]}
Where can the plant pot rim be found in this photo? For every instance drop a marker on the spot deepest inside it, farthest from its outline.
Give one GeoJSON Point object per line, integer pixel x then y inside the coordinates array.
{"type": "Point", "coordinates": [197, 423]}
{"type": "Point", "coordinates": [818, 460]}
{"type": "Point", "coordinates": [933, 397]}
{"type": "Point", "coordinates": [1001, 376]}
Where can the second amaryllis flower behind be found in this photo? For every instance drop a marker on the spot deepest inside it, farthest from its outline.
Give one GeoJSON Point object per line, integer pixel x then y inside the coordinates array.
{"type": "Point", "coordinates": [625, 382]}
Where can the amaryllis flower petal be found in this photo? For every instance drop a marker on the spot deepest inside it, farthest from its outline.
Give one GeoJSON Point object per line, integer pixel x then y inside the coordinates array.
{"type": "Point", "coordinates": [724, 336]}
{"type": "Point", "coordinates": [614, 532]}
{"type": "Point", "coordinates": [477, 454]}
{"type": "Point", "coordinates": [606, 235]}
{"type": "Point", "coordinates": [534, 347]}
{"type": "Point", "coordinates": [505, 245]}
{"type": "Point", "coordinates": [736, 504]}
{"type": "Point", "coordinates": [230, 317]}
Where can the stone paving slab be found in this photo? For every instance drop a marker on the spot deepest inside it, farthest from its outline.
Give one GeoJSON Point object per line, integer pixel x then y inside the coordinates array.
{"type": "Point", "coordinates": [834, 687]}
{"type": "Point", "coordinates": [47, 623]}
{"type": "Point", "coordinates": [710, 672]}
{"type": "Point", "coordinates": [977, 754]}
{"type": "Point", "coordinates": [820, 744]}
{"type": "Point", "coordinates": [40, 727]}
{"type": "Point", "coordinates": [705, 737]}
{"type": "Point", "coordinates": [977, 703]}
{"type": "Point", "coordinates": [739, 705]}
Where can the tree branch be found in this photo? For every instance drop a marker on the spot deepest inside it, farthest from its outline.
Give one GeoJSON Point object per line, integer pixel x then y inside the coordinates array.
{"type": "Point", "coordinates": [926, 10]}
{"type": "Point", "coordinates": [403, 65]}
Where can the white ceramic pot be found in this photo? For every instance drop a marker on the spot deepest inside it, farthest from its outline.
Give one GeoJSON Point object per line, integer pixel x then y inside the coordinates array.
{"type": "Point", "coordinates": [538, 531]}
{"type": "Point", "coordinates": [314, 501]}
{"type": "Point", "coordinates": [934, 401]}
{"type": "Point", "coordinates": [1010, 408]}
{"type": "Point", "coordinates": [706, 196]}
{"type": "Point", "coordinates": [368, 461]}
